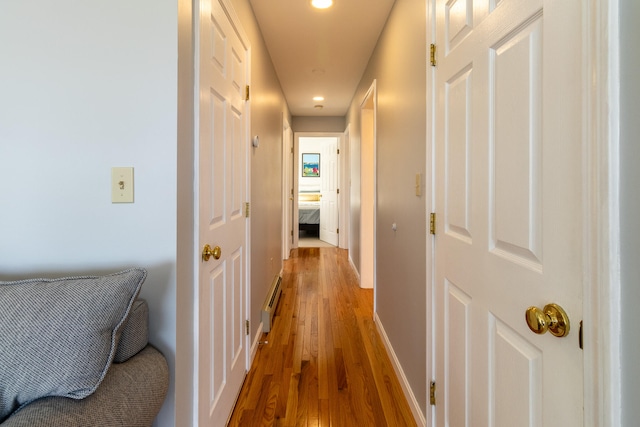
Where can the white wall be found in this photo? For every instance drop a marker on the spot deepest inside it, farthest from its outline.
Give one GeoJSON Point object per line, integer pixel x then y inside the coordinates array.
{"type": "Point", "coordinates": [630, 208]}
{"type": "Point", "coordinates": [85, 86]}
{"type": "Point", "coordinates": [318, 124]}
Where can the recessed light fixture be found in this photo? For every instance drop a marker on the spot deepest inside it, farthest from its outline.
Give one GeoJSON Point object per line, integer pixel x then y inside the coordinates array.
{"type": "Point", "coordinates": [318, 98]}
{"type": "Point", "coordinates": [321, 4]}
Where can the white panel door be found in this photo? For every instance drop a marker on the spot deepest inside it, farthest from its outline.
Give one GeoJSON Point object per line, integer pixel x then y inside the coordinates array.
{"type": "Point", "coordinates": [509, 211]}
{"type": "Point", "coordinates": [223, 68]}
{"type": "Point", "coordinates": [329, 191]}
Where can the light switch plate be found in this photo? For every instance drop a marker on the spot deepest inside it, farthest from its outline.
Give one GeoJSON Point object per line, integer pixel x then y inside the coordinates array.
{"type": "Point", "coordinates": [122, 185]}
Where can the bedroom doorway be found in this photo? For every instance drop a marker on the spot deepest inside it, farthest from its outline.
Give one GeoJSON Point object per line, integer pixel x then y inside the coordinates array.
{"type": "Point", "coordinates": [316, 189]}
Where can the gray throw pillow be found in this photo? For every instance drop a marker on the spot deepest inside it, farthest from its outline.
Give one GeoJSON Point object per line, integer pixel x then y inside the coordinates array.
{"type": "Point", "coordinates": [59, 336]}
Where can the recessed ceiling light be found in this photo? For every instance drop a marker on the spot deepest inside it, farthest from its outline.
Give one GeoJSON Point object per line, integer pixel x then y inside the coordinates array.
{"type": "Point", "coordinates": [321, 4]}
{"type": "Point", "coordinates": [318, 98]}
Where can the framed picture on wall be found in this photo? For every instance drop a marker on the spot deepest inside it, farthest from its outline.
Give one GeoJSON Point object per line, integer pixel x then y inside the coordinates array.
{"type": "Point", "coordinates": [310, 164]}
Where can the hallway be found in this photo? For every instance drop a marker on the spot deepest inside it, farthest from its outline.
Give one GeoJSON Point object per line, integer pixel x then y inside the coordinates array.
{"type": "Point", "coordinates": [324, 363]}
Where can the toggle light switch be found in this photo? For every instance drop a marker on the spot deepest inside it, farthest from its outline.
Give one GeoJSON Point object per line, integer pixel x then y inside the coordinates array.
{"type": "Point", "coordinates": [121, 185]}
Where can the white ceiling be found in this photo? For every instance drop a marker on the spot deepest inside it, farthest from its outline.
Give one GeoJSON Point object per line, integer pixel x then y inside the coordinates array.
{"type": "Point", "coordinates": [320, 52]}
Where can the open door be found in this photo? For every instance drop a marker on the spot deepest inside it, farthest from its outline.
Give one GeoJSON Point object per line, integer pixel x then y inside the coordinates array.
{"type": "Point", "coordinates": [222, 226]}
{"type": "Point", "coordinates": [509, 206]}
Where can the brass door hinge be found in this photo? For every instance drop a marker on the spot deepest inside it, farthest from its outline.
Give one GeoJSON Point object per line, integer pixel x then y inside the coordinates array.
{"type": "Point", "coordinates": [432, 393]}
{"type": "Point", "coordinates": [432, 54]}
{"type": "Point", "coordinates": [432, 223]}
{"type": "Point", "coordinates": [246, 210]}
{"type": "Point", "coordinates": [246, 93]}
{"type": "Point", "coordinates": [337, 230]}
{"type": "Point", "coordinates": [338, 151]}
{"type": "Point", "coordinates": [246, 324]}
{"type": "Point", "coordinates": [338, 191]}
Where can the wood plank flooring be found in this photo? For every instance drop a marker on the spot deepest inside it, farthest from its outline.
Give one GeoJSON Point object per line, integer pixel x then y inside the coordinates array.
{"type": "Point", "coordinates": [324, 363]}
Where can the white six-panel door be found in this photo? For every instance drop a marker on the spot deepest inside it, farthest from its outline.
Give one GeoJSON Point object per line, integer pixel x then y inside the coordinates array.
{"type": "Point", "coordinates": [329, 192]}
{"type": "Point", "coordinates": [223, 71]}
{"type": "Point", "coordinates": [508, 179]}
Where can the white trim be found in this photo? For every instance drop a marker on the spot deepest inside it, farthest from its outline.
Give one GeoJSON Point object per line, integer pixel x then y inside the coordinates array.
{"type": "Point", "coordinates": [372, 94]}
{"type": "Point", "coordinates": [402, 378]}
{"type": "Point", "coordinates": [345, 189]}
{"type": "Point", "coordinates": [287, 186]}
{"type": "Point", "coordinates": [601, 330]}
{"type": "Point", "coordinates": [430, 203]}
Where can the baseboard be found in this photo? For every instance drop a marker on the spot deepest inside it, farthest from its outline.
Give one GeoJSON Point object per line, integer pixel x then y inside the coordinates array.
{"type": "Point", "coordinates": [418, 416]}
{"type": "Point", "coordinates": [254, 345]}
{"type": "Point", "coordinates": [355, 270]}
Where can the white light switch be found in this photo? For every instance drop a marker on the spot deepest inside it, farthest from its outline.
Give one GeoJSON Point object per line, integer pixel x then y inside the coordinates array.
{"type": "Point", "coordinates": [418, 184]}
{"type": "Point", "coordinates": [121, 185]}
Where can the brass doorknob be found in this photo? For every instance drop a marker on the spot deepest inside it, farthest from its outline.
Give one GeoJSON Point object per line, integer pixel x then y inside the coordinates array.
{"type": "Point", "coordinates": [207, 252]}
{"type": "Point", "coordinates": [552, 318]}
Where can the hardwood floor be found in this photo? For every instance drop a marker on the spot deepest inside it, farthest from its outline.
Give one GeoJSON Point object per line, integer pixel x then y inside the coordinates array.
{"type": "Point", "coordinates": [324, 363]}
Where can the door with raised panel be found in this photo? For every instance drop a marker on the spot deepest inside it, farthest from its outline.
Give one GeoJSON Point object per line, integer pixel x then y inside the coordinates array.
{"type": "Point", "coordinates": [509, 200]}
{"type": "Point", "coordinates": [222, 182]}
{"type": "Point", "coordinates": [329, 191]}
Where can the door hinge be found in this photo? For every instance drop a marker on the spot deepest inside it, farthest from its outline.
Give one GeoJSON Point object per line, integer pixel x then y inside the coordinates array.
{"type": "Point", "coordinates": [246, 93]}
{"type": "Point", "coordinates": [432, 54]}
{"type": "Point", "coordinates": [338, 191]}
{"type": "Point", "coordinates": [291, 150]}
{"type": "Point", "coordinates": [432, 223]}
{"type": "Point", "coordinates": [291, 233]}
{"type": "Point", "coordinates": [432, 393]}
{"type": "Point", "coordinates": [246, 210]}
{"type": "Point", "coordinates": [337, 231]}
{"type": "Point", "coordinates": [338, 151]}
{"type": "Point", "coordinates": [246, 324]}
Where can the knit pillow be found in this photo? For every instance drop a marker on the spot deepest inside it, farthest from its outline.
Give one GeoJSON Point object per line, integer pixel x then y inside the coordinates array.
{"type": "Point", "coordinates": [59, 336]}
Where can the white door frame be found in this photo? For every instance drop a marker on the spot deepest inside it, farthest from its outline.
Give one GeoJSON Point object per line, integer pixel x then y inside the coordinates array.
{"type": "Point", "coordinates": [368, 170]}
{"type": "Point", "coordinates": [296, 156]}
{"type": "Point", "coordinates": [345, 189]}
{"type": "Point", "coordinates": [287, 188]}
{"type": "Point", "coordinates": [601, 287]}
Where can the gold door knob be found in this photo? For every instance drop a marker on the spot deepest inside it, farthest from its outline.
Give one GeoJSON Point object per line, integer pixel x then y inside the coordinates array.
{"type": "Point", "coordinates": [207, 252]}
{"type": "Point", "coordinates": [552, 318]}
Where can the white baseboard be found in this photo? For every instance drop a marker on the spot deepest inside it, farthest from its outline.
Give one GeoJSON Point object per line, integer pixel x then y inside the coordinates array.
{"type": "Point", "coordinates": [254, 346]}
{"type": "Point", "coordinates": [418, 416]}
{"type": "Point", "coordinates": [355, 270]}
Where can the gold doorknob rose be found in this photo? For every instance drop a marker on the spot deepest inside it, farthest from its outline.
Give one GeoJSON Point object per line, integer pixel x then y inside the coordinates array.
{"type": "Point", "coordinates": [552, 318]}
{"type": "Point", "coordinates": [207, 252]}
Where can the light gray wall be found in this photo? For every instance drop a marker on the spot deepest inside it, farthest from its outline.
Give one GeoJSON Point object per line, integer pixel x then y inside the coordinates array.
{"type": "Point", "coordinates": [630, 208]}
{"type": "Point", "coordinates": [398, 65]}
{"type": "Point", "coordinates": [85, 86]}
{"type": "Point", "coordinates": [318, 124]}
{"type": "Point", "coordinates": [268, 108]}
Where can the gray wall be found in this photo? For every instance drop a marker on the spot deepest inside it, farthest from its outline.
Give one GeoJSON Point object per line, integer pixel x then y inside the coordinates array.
{"type": "Point", "coordinates": [267, 112]}
{"type": "Point", "coordinates": [317, 124]}
{"type": "Point", "coordinates": [398, 65]}
{"type": "Point", "coordinates": [630, 208]}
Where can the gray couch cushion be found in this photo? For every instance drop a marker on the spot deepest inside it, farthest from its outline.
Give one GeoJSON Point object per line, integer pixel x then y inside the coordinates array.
{"type": "Point", "coordinates": [59, 336]}
{"type": "Point", "coordinates": [135, 332]}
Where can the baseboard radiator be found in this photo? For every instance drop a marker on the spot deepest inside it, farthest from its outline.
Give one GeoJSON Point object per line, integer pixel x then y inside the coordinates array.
{"type": "Point", "coordinates": [269, 308]}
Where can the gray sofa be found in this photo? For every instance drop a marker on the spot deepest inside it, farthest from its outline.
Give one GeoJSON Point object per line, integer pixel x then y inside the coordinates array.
{"type": "Point", "coordinates": [75, 352]}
